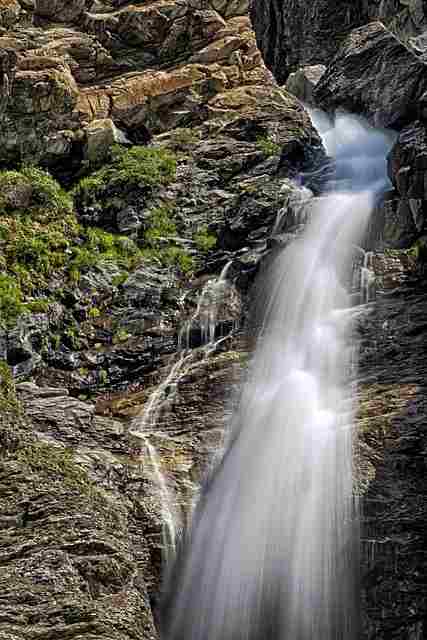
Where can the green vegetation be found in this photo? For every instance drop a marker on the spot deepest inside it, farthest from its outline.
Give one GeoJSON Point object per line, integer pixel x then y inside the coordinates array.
{"type": "Point", "coordinates": [44, 240]}
{"type": "Point", "coordinates": [268, 146]}
{"type": "Point", "coordinates": [11, 305]}
{"type": "Point", "coordinates": [8, 400]}
{"type": "Point", "coordinates": [184, 137]}
{"type": "Point", "coordinates": [44, 249]}
{"type": "Point", "coordinates": [160, 240]}
{"type": "Point", "coordinates": [38, 306]}
{"type": "Point", "coordinates": [35, 190]}
{"type": "Point", "coordinates": [98, 246]}
{"type": "Point", "coordinates": [204, 240]}
{"type": "Point", "coordinates": [419, 249]}
{"type": "Point", "coordinates": [55, 463]}
{"type": "Point", "coordinates": [129, 168]}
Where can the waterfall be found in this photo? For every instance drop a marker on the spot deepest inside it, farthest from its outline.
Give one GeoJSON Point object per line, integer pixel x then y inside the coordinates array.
{"type": "Point", "coordinates": [273, 548]}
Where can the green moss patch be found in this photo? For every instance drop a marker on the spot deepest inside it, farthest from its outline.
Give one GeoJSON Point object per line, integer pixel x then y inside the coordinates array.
{"type": "Point", "coordinates": [55, 463]}
{"type": "Point", "coordinates": [35, 191]}
{"type": "Point", "coordinates": [267, 146]}
{"type": "Point", "coordinates": [8, 400]}
{"type": "Point", "coordinates": [159, 240]}
{"type": "Point", "coordinates": [138, 167]}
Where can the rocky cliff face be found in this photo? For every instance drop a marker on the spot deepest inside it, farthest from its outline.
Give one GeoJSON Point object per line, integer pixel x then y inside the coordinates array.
{"type": "Point", "coordinates": [164, 155]}
{"type": "Point", "coordinates": [143, 147]}
{"type": "Point", "coordinates": [294, 33]}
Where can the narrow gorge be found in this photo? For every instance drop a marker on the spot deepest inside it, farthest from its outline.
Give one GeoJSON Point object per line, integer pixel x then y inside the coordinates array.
{"type": "Point", "coordinates": [159, 171]}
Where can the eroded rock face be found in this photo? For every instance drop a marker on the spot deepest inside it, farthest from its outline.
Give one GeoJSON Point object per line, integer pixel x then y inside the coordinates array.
{"type": "Point", "coordinates": [80, 490]}
{"type": "Point", "coordinates": [165, 64]}
{"type": "Point", "coordinates": [374, 74]}
{"type": "Point", "coordinates": [9, 13]}
{"type": "Point", "coordinates": [294, 33]}
{"type": "Point", "coordinates": [392, 415]}
{"type": "Point", "coordinates": [407, 168]}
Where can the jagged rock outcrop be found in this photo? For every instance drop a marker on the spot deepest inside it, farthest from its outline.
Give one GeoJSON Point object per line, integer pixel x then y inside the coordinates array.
{"type": "Point", "coordinates": [125, 341]}
{"type": "Point", "coordinates": [375, 75]}
{"type": "Point", "coordinates": [165, 65]}
{"type": "Point", "coordinates": [406, 18]}
{"type": "Point", "coordinates": [407, 168]}
{"type": "Point", "coordinates": [392, 415]}
{"type": "Point", "coordinates": [295, 33]}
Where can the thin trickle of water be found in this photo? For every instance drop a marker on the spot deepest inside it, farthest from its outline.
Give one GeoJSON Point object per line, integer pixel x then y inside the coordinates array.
{"type": "Point", "coordinates": [170, 520]}
{"type": "Point", "coordinates": [367, 278]}
{"type": "Point", "coordinates": [165, 394]}
{"type": "Point", "coordinates": [206, 314]}
{"type": "Point", "coordinates": [273, 549]}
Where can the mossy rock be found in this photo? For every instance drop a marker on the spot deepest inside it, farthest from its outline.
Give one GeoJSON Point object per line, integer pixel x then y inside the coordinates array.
{"type": "Point", "coordinates": [137, 168]}
{"type": "Point", "coordinates": [8, 401]}
{"type": "Point", "coordinates": [34, 191]}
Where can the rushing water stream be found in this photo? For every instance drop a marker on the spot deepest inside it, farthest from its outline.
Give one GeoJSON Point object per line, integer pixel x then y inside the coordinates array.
{"type": "Point", "coordinates": [273, 550]}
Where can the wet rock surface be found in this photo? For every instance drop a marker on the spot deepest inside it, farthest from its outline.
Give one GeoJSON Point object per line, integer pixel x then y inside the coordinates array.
{"type": "Point", "coordinates": [392, 419]}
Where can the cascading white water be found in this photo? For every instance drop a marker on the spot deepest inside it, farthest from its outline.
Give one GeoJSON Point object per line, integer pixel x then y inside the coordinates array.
{"type": "Point", "coordinates": [272, 553]}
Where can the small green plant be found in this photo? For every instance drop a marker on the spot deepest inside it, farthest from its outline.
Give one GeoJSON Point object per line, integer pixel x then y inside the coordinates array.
{"type": "Point", "coordinates": [120, 279]}
{"type": "Point", "coordinates": [72, 335]}
{"type": "Point", "coordinates": [47, 192]}
{"type": "Point", "coordinates": [94, 313]}
{"type": "Point", "coordinates": [160, 242]}
{"type": "Point", "coordinates": [268, 146]}
{"type": "Point", "coordinates": [184, 137]}
{"type": "Point", "coordinates": [179, 258]}
{"type": "Point", "coordinates": [204, 240]}
{"type": "Point", "coordinates": [121, 336]}
{"type": "Point", "coordinates": [128, 168]}
{"type": "Point", "coordinates": [160, 226]}
{"type": "Point", "coordinates": [55, 463]}
{"type": "Point", "coordinates": [11, 302]}
{"type": "Point", "coordinates": [99, 246]}
{"type": "Point", "coordinates": [38, 306]}
{"type": "Point", "coordinates": [55, 341]}
{"type": "Point", "coordinates": [36, 190]}
{"type": "Point", "coordinates": [8, 400]}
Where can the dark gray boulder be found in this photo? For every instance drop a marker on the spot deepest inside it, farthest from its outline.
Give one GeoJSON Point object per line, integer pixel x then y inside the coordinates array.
{"type": "Point", "coordinates": [376, 75]}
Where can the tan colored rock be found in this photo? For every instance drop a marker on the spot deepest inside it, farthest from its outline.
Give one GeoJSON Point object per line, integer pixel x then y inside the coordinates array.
{"type": "Point", "coordinates": [39, 111]}
{"type": "Point", "coordinates": [231, 8]}
{"type": "Point", "coordinates": [9, 13]}
{"type": "Point", "coordinates": [101, 135]}
{"type": "Point", "coordinates": [52, 90]}
{"type": "Point", "coordinates": [86, 58]}
{"type": "Point", "coordinates": [218, 51]}
{"type": "Point", "coordinates": [165, 62]}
